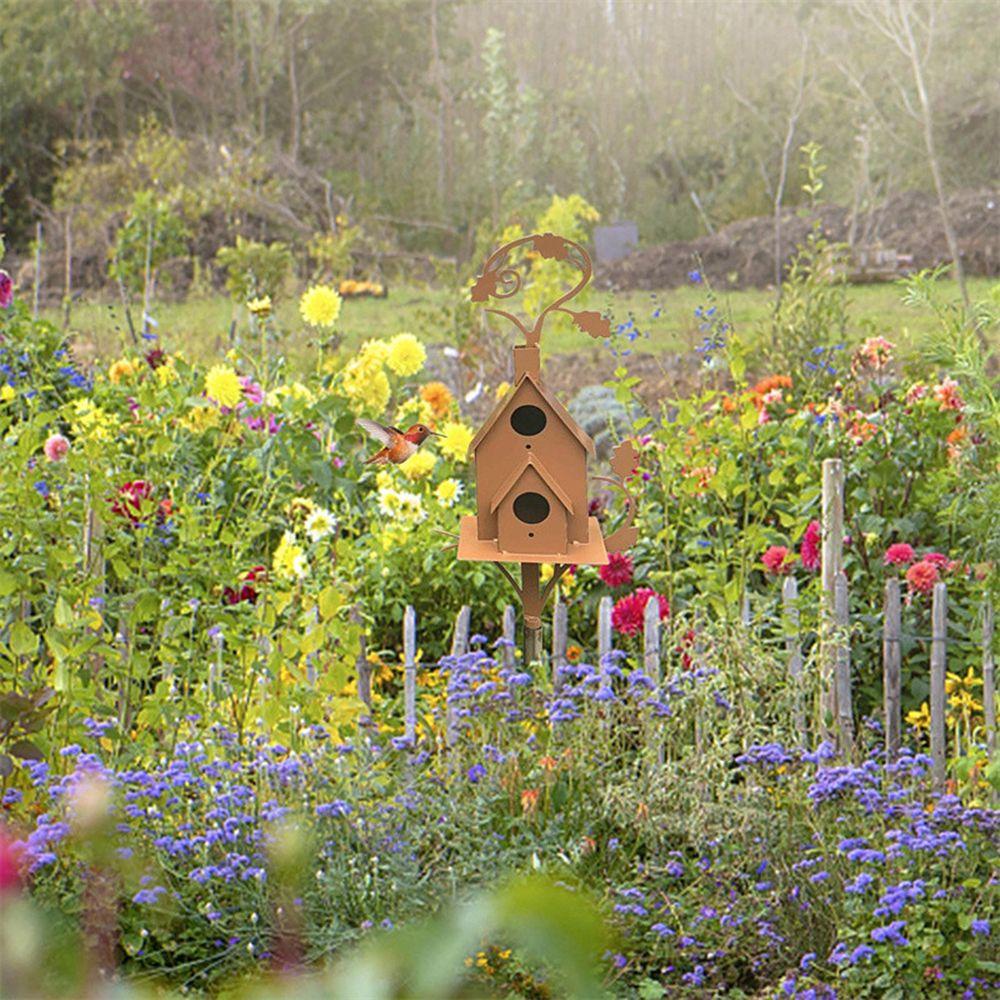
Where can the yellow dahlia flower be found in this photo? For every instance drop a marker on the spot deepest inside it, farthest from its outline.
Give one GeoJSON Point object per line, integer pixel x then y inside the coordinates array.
{"type": "Point", "coordinates": [406, 354]}
{"type": "Point", "coordinates": [320, 306]}
{"type": "Point", "coordinates": [222, 385]}
{"type": "Point", "coordinates": [438, 396]}
{"type": "Point", "coordinates": [289, 560]}
{"type": "Point", "coordinates": [419, 465]}
{"type": "Point", "coordinates": [455, 440]}
{"type": "Point", "coordinates": [121, 370]}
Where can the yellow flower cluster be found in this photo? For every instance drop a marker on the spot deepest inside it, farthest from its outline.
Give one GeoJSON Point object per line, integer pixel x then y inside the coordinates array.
{"type": "Point", "coordinates": [222, 386]}
{"type": "Point", "coordinates": [406, 355]}
{"type": "Point", "coordinates": [7, 393]}
{"type": "Point", "coordinates": [401, 505]}
{"type": "Point", "coordinates": [289, 561]}
{"type": "Point", "coordinates": [91, 423]}
{"type": "Point", "coordinates": [121, 371]}
{"type": "Point", "coordinates": [200, 418]}
{"type": "Point", "coordinates": [455, 440]}
{"type": "Point", "coordinates": [438, 398]}
{"type": "Point", "coordinates": [365, 383]}
{"type": "Point", "coordinates": [260, 307]}
{"type": "Point", "coordinates": [293, 390]}
{"type": "Point", "coordinates": [320, 306]}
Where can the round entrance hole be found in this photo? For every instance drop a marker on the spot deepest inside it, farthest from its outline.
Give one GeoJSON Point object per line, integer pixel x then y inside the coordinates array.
{"type": "Point", "coordinates": [528, 420]}
{"type": "Point", "coordinates": [531, 508]}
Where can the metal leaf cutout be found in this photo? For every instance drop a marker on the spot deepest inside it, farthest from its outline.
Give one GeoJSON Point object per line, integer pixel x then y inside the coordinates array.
{"type": "Point", "coordinates": [624, 459]}
{"type": "Point", "coordinates": [550, 247]}
{"type": "Point", "coordinates": [591, 322]}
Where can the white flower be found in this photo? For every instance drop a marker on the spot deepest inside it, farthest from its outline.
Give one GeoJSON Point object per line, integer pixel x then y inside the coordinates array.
{"type": "Point", "coordinates": [319, 524]}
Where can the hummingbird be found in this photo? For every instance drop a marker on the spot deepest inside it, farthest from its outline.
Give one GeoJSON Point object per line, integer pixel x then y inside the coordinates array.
{"type": "Point", "coordinates": [398, 445]}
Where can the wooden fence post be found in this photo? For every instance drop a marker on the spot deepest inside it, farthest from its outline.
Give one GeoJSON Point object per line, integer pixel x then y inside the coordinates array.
{"type": "Point", "coordinates": [510, 635]}
{"type": "Point", "coordinates": [845, 716]}
{"type": "Point", "coordinates": [560, 628]}
{"type": "Point", "coordinates": [652, 663]}
{"type": "Point", "coordinates": [892, 634]}
{"type": "Point", "coordinates": [939, 660]}
{"type": "Point", "coordinates": [989, 682]}
{"type": "Point", "coordinates": [793, 649]}
{"type": "Point", "coordinates": [459, 647]}
{"type": "Point", "coordinates": [410, 673]}
{"type": "Point", "coordinates": [604, 628]}
{"type": "Point", "coordinates": [361, 664]}
{"type": "Point", "coordinates": [832, 564]}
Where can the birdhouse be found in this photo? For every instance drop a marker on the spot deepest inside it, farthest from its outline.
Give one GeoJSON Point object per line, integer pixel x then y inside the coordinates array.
{"type": "Point", "coordinates": [530, 459]}
{"type": "Point", "coordinates": [532, 498]}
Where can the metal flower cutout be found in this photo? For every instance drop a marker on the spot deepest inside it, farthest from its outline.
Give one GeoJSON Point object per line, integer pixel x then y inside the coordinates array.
{"type": "Point", "coordinates": [501, 280]}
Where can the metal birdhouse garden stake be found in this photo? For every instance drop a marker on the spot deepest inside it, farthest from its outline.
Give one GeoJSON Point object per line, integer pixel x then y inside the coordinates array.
{"type": "Point", "coordinates": [530, 456]}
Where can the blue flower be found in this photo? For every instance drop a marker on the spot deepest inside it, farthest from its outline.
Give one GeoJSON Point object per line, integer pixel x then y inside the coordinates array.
{"type": "Point", "coordinates": [694, 277]}
{"type": "Point", "coordinates": [862, 951]}
{"type": "Point", "coordinates": [475, 773]}
{"type": "Point", "coordinates": [980, 928]}
{"type": "Point", "coordinates": [891, 933]}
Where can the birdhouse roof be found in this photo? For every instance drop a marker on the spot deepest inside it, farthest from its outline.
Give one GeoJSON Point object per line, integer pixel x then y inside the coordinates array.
{"type": "Point", "coordinates": [511, 481]}
{"type": "Point", "coordinates": [558, 409]}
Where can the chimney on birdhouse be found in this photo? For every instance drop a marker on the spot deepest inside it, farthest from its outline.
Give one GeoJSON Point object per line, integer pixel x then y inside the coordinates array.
{"type": "Point", "coordinates": [527, 361]}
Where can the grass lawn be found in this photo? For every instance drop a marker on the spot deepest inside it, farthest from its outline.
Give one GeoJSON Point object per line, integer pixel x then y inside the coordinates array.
{"type": "Point", "coordinates": [201, 327]}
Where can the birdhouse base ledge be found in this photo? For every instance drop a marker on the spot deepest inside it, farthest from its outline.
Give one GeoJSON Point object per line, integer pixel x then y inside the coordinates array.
{"type": "Point", "coordinates": [475, 549]}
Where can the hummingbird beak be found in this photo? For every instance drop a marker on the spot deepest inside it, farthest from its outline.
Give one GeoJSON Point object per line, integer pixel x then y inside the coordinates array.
{"type": "Point", "coordinates": [435, 434]}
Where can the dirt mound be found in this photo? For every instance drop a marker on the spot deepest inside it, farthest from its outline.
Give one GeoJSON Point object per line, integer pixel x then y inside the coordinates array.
{"type": "Point", "coordinates": [741, 255]}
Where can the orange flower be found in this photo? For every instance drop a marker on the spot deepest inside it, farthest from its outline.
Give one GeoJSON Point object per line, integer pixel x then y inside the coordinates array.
{"type": "Point", "coordinates": [548, 763]}
{"type": "Point", "coordinates": [438, 396]}
{"type": "Point", "coordinates": [949, 395]}
{"type": "Point", "coordinates": [529, 801]}
{"type": "Point", "coordinates": [922, 576]}
{"type": "Point", "coordinates": [588, 845]}
{"type": "Point", "coordinates": [573, 654]}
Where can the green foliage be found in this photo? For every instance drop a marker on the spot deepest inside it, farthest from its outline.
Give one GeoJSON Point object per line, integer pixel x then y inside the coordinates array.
{"type": "Point", "coordinates": [151, 234]}
{"type": "Point", "coordinates": [254, 268]}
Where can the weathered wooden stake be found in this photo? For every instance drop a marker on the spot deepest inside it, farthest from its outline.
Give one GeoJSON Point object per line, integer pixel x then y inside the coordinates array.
{"type": "Point", "coordinates": [604, 628]}
{"type": "Point", "coordinates": [845, 715]}
{"type": "Point", "coordinates": [560, 630]}
{"type": "Point", "coordinates": [459, 647]}
{"type": "Point", "coordinates": [989, 681]}
{"type": "Point", "coordinates": [939, 660]}
{"type": "Point", "coordinates": [793, 649]}
{"type": "Point", "coordinates": [510, 635]}
{"type": "Point", "coordinates": [832, 564]}
{"type": "Point", "coordinates": [745, 617]}
{"type": "Point", "coordinates": [410, 673]}
{"type": "Point", "coordinates": [892, 633]}
{"type": "Point", "coordinates": [652, 664]}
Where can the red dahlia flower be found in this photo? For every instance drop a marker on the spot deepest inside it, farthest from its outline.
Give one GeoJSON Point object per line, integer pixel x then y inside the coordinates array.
{"type": "Point", "coordinates": [627, 616]}
{"type": "Point", "coordinates": [618, 571]}
{"type": "Point", "coordinates": [130, 498]}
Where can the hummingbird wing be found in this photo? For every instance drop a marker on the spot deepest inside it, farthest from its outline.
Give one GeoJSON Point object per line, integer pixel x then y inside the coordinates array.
{"type": "Point", "coordinates": [376, 430]}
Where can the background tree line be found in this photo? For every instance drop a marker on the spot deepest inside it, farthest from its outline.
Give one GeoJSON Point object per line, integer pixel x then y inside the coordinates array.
{"type": "Point", "coordinates": [426, 119]}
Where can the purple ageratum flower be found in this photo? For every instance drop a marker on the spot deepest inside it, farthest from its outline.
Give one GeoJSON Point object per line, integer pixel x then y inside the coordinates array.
{"type": "Point", "coordinates": [981, 928]}
{"type": "Point", "coordinates": [891, 934]}
{"type": "Point", "coordinates": [859, 884]}
{"type": "Point", "coordinates": [862, 951]}
{"type": "Point", "coordinates": [335, 808]}
{"type": "Point", "coordinates": [148, 897]}
{"type": "Point", "coordinates": [476, 773]}
{"type": "Point", "coordinates": [695, 277]}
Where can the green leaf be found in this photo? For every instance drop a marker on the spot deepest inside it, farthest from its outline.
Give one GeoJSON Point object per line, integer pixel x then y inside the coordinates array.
{"type": "Point", "coordinates": [965, 921]}
{"type": "Point", "coordinates": [63, 612]}
{"type": "Point", "coordinates": [8, 584]}
{"type": "Point", "coordinates": [22, 640]}
{"type": "Point", "coordinates": [26, 750]}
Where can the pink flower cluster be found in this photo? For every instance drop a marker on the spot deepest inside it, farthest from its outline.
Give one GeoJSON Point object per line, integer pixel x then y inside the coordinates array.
{"type": "Point", "coordinates": [922, 573]}
{"type": "Point", "coordinates": [627, 615]}
{"type": "Point", "coordinates": [778, 560]}
{"type": "Point", "coordinates": [874, 354]}
{"type": "Point", "coordinates": [55, 447]}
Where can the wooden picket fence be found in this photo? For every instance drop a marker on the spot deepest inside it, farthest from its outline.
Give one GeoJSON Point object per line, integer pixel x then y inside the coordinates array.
{"type": "Point", "coordinates": [836, 720]}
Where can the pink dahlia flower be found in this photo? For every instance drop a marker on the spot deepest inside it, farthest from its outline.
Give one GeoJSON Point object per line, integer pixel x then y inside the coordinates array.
{"type": "Point", "coordinates": [627, 616]}
{"type": "Point", "coordinates": [775, 560]}
{"type": "Point", "coordinates": [809, 547]}
{"type": "Point", "coordinates": [55, 447]}
{"type": "Point", "coordinates": [899, 554]}
{"type": "Point", "coordinates": [6, 290]}
{"type": "Point", "coordinates": [922, 576]}
{"type": "Point", "coordinates": [618, 571]}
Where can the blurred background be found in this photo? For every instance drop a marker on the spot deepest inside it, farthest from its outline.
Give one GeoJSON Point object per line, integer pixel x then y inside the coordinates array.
{"type": "Point", "coordinates": [379, 137]}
